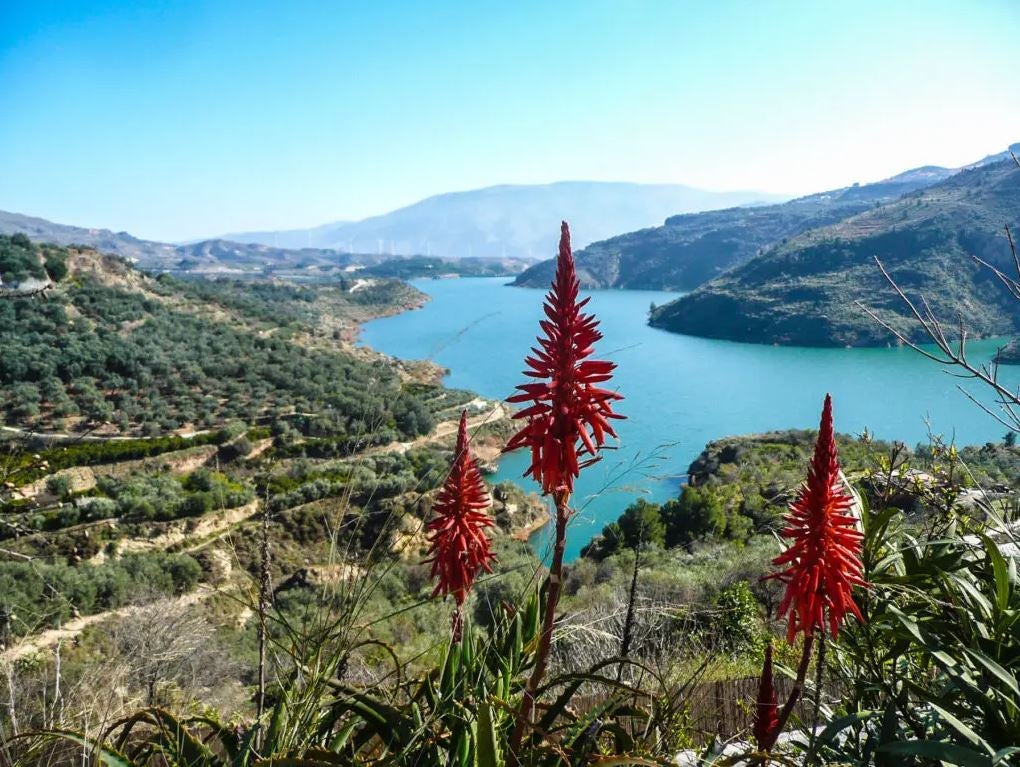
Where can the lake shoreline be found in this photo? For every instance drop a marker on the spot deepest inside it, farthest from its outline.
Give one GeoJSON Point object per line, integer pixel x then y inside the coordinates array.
{"type": "Point", "coordinates": [680, 392]}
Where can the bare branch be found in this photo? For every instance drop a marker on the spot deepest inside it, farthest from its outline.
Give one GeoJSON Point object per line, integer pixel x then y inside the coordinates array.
{"type": "Point", "coordinates": [1011, 285]}
{"type": "Point", "coordinates": [1012, 246]}
{"type": "Point", "coordinates": [1014, 426]}
{"type": "Point", "coordinates": [16, 554]}
{"type": "Point", "coordinates": [949, 357]}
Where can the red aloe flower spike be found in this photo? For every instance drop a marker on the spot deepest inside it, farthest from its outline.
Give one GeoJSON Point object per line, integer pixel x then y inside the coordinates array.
{"type": "Point", "coordinates": [823, 563]}
{"type": "Point", "coordinates": [766, 715]}
{"type": "Point", "coordinates": [458, 545]}
{"type": "Point", "coordinates": [567, 407]}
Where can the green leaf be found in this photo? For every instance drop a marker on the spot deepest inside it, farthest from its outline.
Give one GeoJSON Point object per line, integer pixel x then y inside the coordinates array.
{"type": "Point", "coordinates": [245, 748]}
{"type": "Point", "coordinates": [341, 738]}
{"type": "Point", "coordinates": [887, 734]}
{"type": "Point", "coordinates": [622, 740]}
{"type": "Point", "coordinates": [961, 728]}
{"type": "Point", "coordinates": [908, 623]}
{"type": "Point", "coordinates": [276, 721]}
{"type": "Point", "coordinates": [225, 736]}
{"type": "Point", "coordinates": [573, 682]}
{"type": "Point", "coordinates": [186, 748]}
{"type": "Point", "coordinates": [936, 749]}
{"type": "Point", "coordinates": [388, 723]}
{"type": "Point", "coordinates": [1003, 675]}
{"type": "Point", "coordinates": [1002, 753]}
{"type": "Point", "coordinates": [979, 599]}
{"type": "Point", "coordinates": [1001, 572]}
{"type": "Point", "coordinates": [487, 747]}
{"type": "Point", "coordinates": [171, 738]}
{"type": "Point", "coordinates": [945, 658]}
{"type": "Point", "coordinates": [838, 725]}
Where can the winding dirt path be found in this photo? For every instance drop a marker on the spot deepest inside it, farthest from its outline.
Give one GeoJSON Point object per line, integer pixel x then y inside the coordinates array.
{"type": "Point", "coordinates": [445, 429]}
{"type": "Point", "coordinates": [206, 528]}
{"type": "Point", "coordinates": [51, 637]}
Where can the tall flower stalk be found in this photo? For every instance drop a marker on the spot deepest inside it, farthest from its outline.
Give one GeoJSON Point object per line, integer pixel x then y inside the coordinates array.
{"type": "Point", "coordinates": [822, 565]}
{"type": "Point", "coordinates": [459, 545]}
{"type": "Point", "coordinates": [566, 422]}
{"type": "Point", "coordinates": [766, 711]}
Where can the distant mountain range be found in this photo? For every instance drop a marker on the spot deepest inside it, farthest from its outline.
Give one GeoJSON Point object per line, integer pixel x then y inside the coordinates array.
{"type": "Point", "coordinates": [688, 250]}
{"type": "Point", "coordinates": [804, 290]}
{"type": "Point", "coordinates": [225, 257]}
{"type": "Point", "coordinates": [511, 225]}
{"type": "Point", "coordinates": [204, 256]}
{"type": "Point", "coordinates": [691, 249]}
{"type": "Point", "coordinates": [508, 221]}
{"type": "Point", "coordinates": [788, 273]}
{"type": "Point", "coordinates": [120, 243]}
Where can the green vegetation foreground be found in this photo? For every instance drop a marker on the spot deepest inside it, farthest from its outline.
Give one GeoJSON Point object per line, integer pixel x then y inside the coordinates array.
{"type": "Point", "coordinates": [901, 627]}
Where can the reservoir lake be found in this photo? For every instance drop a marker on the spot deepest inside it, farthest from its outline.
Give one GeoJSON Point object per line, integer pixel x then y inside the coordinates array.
{"type": "Point", "coordinates": [679, 392]}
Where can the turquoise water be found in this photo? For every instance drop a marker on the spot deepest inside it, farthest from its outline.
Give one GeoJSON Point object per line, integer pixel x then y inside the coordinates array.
{"type": "Point", "coordinates": [680, 392]}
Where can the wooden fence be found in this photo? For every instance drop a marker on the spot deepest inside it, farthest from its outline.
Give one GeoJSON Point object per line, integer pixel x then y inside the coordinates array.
{"type": "Point", "coordinates": [722, 709]}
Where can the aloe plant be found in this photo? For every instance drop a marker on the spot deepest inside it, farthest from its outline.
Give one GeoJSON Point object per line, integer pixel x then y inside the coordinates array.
{"type": "Point", "coordinates": [932, 673]}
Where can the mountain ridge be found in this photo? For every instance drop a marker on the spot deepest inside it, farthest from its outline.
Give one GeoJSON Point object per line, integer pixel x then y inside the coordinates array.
{"type": "Point", "coordinates": [804, 292]}
{"type": "Point", "coordinates": [211, 255]}
{"type": "Point", "coordinates": [690, 249]}
{"type": "Point", "coordinates": [509, 220]}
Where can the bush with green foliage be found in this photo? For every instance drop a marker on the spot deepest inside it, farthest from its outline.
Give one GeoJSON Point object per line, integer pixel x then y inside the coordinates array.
{"type": "Point", "coordinates": [124, 355]}
{"type": "Point", "coordinates": [42, 595]}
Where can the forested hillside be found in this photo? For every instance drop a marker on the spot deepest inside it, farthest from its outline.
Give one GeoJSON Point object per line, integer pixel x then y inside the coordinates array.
{"type": "Point", "coordinates": [114, 352]}
{"type": "Point", "coordinates": [159, 433]}
{"type": "Point", "coordinates": [804, 291]}
{"type": "Point", "coordinates": [740, 487]}
{"type": "Point", "coordinates": [688, 250]}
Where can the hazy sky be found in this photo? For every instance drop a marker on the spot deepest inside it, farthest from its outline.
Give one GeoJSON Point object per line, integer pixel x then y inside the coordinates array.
{"type": "Point", "coordinates": [183, 119]}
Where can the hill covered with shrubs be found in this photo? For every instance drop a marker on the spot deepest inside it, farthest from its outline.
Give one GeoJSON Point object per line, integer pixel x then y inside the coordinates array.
{"type": "Point", "coordinates": [804, 291]}
{"type": "Point", "coordinates": [113, 351]}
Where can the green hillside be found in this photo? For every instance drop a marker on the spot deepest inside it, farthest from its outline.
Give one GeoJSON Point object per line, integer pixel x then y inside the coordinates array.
{"type": "Point", "coordinates": [803, 291]}
{"type": "Point", "coordinates": [150, 423]}
{"type": "Point", "coordinates": [688, 250]}
{"type": "Point", "coordinates": [112, 351]}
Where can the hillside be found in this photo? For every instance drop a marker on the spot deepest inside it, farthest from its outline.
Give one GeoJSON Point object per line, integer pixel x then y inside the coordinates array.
{"type": "Point", "coordinates": [119, 243]}
{"type": "Point", "coordinates": [207, 256]}
{"type": "Point", "coordinates": [508, 221]}
{"type": "Point", "coordinates": [159, 355]}
{"type": "Point", "coordinates": [803, 291]}
{"type": "Point", "coordinates": [688, 250]}
{"type": "Point", "coordinates": [740, 487]}
{"type": "Point", "coordinates": [147, 421]}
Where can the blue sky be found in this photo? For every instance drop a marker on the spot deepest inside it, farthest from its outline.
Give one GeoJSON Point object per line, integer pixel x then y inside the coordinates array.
{"type": "Point", "coordinates": [175, 120]}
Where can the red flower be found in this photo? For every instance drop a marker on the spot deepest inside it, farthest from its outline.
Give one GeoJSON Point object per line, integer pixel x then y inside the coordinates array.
{"type": "Point", "coordinates": [567, 407]}
{"type": "Point", "coordinates": [823, 563]}
{"type": "Point", "coordinates": [459, 547]}
{"type": "Point", "coordinates": [766, 715]}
